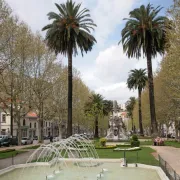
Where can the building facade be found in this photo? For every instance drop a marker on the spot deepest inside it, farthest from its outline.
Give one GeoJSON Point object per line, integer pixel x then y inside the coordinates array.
{"type": "Point", "coordinates": [29, 125]}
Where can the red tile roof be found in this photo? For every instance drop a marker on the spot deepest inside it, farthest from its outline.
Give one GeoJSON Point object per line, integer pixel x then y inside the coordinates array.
{"type": "Point", "coordinates": [123, 113]}
{"type": "Point", "coordinates": [32, 114]}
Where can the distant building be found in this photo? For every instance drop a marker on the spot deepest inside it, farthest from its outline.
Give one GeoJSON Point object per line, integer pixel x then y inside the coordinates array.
{"type": "Point", "coordinates": [123, 107]}
{"type": "Point", "coordinates": [29, 125]}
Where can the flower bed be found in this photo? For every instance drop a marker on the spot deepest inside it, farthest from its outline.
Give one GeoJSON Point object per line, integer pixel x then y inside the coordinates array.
{"type": "Point", "coordinates": [106, 147]}
{"type": "Point", "coordinates": [158, 141]}
{"type": "Point", "coordinates": [127, 149]}
{"type": "Point", "coordinates": [123, 145]}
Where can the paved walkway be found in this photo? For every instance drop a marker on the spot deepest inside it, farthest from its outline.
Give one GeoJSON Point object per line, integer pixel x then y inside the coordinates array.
{"type": "Point", "coordinates": [19, 159]}
{"type": "Point", "coordinates": [169, 154]}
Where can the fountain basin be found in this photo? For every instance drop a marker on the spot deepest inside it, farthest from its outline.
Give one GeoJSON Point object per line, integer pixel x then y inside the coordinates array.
{"type": "Point", "coordinates": [112, 170]}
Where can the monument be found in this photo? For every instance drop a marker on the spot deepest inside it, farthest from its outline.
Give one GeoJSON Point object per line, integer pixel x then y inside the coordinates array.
{"type": "Point", "coordinates": [117, 129]}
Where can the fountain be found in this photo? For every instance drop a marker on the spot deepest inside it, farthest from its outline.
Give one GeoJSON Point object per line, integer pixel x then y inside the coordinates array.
{"type": "Point", "coordinates": [75, 158]}
{"type": "Point", "coordinates": [77, 149]}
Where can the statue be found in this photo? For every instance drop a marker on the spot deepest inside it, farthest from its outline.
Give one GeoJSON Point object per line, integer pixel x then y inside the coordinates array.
{"type": "Point", "coordinates": [117, 129]}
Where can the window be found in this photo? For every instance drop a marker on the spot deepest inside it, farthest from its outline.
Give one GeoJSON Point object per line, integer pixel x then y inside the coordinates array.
{"type": "Point", "coordinates": [49, 124]}
{"type": "Point", "coordinates": [24, 133]}
{"type": "Point", "coordinates": [34, 125]}
{"type": "Point", "coordinates": [24, 122]}
{"type": "Point", "coordinates": [46, 124]}
{"type": "Point", "coordinates": [3, 131]}
{"type": "Point", "coordinates": [30, 125]}
{"type": "Point", "coordinates": [4, 118]}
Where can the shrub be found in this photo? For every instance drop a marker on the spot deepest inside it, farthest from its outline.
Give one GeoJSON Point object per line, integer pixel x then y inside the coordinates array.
{"type": "Point", "coordinates": [134, 141]}
{"type": "Point", "coordinates": [134, 138]}
{"type": "Point", "coordinates": [103, 141]}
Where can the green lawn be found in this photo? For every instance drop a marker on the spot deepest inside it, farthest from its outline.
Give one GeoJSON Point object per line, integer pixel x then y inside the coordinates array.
{"type": "Point", "coordinates": [144, 155]}
{"type": "Point", "coordinates": [144, 137]}
{"type": "Point", "coordinates": [172, 143]}
{"type": "Point", "coordinates": [148, 143]}
{"type": "Point", "coordinates": [4, 155]}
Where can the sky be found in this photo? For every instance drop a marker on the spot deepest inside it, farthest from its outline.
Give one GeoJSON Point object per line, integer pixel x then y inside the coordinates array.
{"type": "Point", "coordinates": [105, 69]}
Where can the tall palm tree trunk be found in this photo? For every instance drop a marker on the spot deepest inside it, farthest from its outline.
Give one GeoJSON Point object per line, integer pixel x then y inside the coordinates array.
{"type": "Point", "coordinates": [69, 122]}
{"type": "Point", "coordinates": [96, 134]}
{"type": "Point", "coordinates": [151, 95]}
{"type": "Point", "coordinates": [132, 123]}
{"type": "Point", "coordinates": [140, 113]}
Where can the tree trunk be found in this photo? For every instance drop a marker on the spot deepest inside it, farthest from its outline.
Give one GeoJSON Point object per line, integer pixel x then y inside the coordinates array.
{"type": "Point", "coordinates": [151, 94]}
{"type": "Point", "coordinates": [19, 129]}
{"type": "Point", "coordinates": [69, 122]}
{"type": "Point", "coordinates": [96, 134]}
{"type": "Point", "coordinates": [78, 129]}
{"type": "Point", "coordinates": [178, 134]}
{"type": "Point", "coordinates": [132, 124]}
{"type": "Point", "coordinates": [176, 130]}
{"type": "Point", "coordinates": [19, 134]}
{"type": "Point", "coordinates": [11, 110]}
{"type": "Point", "coordinates": [160, 130]}
{"type": "Point", "coordinates": [167, 130]}
{"type": "Point", "coordinates": [41, 125]}
{"type": "Point", "coordinates": [60, 132]}
{"type": "Point", "coordinates": [40, 130]}
{"type": "Point", "coordinates": [140, 113]}
{"type": "Point", "coordinates": [12, 94]}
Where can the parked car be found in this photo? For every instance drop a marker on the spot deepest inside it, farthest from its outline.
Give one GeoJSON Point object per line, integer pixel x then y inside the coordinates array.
{"type": "Point", "coordinates": [14, 141]}
{"type": "Point", "coordinates": [26, 140]}
{"type": "Point", "coordinates": [55, 139]}
{"type": "Point", "coordinates": [35, 138]}
{"type": "Point", "coordinates": [4, 140]}
{"type": "Point", "coordinates": [46, 137]}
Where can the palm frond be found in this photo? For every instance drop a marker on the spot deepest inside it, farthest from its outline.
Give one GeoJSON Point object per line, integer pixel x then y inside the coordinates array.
{"type": "Point", "coordinates": [70, 28]}
{"type": "Point", "coordinates": [53, 15]}
{"type": "Point", "coordinates": [144, 31]}
{"type": "Point", "coordinates": [137, 79]}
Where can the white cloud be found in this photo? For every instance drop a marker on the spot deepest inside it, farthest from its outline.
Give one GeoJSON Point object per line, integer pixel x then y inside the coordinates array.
{"type": "Point", "coordinates": [35, 12]}
{"type": "Point", "coordinates": [111, 72]}
{"type": "Point", "coordinates": [112, 65]}
{"type": "Point", "coordinates": [108, 15]}
{"type": "Point", "coordinates": [118, 91]}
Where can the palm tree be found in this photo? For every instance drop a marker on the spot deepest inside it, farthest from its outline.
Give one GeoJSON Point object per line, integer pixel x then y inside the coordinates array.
{"type": "Point", "coordinates": [94, 107]}
{"type": "Point", "coordinates": [70, 30]}
{"type": "Point", "coordinates": [130, 107]}
{"type": "Point", "coordinates": [107, 107]}
{"type": "Point", "coordinates": [144, 33]}
{"type": "Point", "coordinates": [137, 80]}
